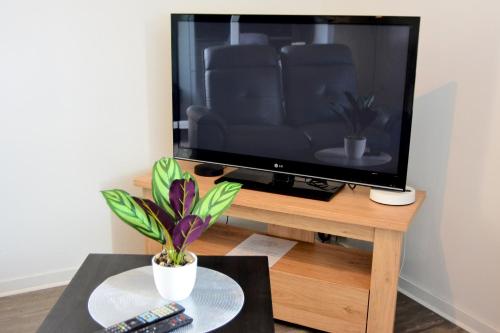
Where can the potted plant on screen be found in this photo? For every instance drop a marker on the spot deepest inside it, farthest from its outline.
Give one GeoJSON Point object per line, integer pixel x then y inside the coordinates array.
{"type": "Point", "coordinates": [358, 115]}
{"type": "Point", "coordinates": [176, 218]}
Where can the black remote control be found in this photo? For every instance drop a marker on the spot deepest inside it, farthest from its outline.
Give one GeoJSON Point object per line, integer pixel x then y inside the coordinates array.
{"type": "Point", "coordinates": [144, 319]}
{"type": "Point", "coordinates": [167, 325]}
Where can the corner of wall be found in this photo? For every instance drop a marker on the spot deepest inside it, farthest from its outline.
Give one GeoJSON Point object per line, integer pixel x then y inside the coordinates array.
{"type": "Point", "coordinates": [443, 308]}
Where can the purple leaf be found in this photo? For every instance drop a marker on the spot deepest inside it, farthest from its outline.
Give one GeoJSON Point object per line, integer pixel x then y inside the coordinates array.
{"type": "Point", "coordinates": [181, 195]}
{"type": "Point", "coordinates": [206, 223]}
{"type": "Point", "coordinates": [153, 209]}
{"type": "Point", "coordinates": [188, 230]}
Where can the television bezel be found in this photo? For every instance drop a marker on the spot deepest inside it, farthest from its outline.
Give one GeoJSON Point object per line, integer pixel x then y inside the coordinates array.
{"type": "Point", "coordinates": [395, 181]}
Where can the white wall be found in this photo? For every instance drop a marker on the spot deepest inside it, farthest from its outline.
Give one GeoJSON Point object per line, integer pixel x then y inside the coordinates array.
{"type": "Point", "coordinates": [84, 107]}
{"type": "Point", "coordinates": [84, 100]}
{"type": "Point", "coordinates": [453, 249]}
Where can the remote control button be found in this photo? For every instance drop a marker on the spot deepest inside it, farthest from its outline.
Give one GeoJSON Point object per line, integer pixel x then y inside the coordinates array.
{"type": "Point", "coordinates": [145, 322]}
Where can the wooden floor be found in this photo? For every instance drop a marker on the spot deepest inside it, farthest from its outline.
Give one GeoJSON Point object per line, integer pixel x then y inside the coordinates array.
{"type": "Point", "coordinates": [25, 312]}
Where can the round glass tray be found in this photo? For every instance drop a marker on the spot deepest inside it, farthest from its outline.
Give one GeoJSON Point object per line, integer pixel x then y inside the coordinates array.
{"type": "Point", "coordinates": [215, 300]}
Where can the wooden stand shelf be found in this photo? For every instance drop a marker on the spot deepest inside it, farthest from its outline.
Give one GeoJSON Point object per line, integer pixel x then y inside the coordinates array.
{"type": "Point", "coordinates": [319, 285]}
{"type": "Point", "coordinates": [315, 285]}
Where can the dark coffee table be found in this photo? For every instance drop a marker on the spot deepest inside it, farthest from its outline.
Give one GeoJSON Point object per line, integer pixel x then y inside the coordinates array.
{"type": "Point", "coordinates": [70, 313]}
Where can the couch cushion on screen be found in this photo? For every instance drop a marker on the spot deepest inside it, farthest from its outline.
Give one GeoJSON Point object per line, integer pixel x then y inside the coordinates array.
{"type": "Point", "coordinates": [326, 134]}
{"type": "Point", "coordinates": [271, 141]}
{"type": "Point", "coordinates": [243, 84]}
{"type": "Point", "coordinates": [315, 76]}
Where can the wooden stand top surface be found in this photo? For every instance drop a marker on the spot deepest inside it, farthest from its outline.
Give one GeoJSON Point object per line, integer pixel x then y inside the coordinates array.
{"type": "Point", "coordinates": [350, 207]}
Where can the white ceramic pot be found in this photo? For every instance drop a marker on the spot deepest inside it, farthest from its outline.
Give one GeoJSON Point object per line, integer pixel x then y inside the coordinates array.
{"type": "Point", "coordinates": [175, 283]}
{"type": "Point", "coordinates": [354, 147]}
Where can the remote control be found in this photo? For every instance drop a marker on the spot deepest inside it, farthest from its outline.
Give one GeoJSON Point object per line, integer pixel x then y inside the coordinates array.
{"type": "Point", "coordinates": [167, 325]}
{"type": "Point", "coordinates": [144, 319]}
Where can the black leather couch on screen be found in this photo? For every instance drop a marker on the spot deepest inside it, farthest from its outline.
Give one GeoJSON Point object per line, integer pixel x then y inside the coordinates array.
{"type": "Point", "coordinates": [259, 102]}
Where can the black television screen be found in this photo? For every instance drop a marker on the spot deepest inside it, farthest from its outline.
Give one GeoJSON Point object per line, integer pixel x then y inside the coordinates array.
{"type": "Point", "coordinates": [318, 96]}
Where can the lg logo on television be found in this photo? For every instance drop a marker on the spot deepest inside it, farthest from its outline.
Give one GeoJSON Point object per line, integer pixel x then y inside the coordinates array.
{"type": "Point", "coordinates": [278, 166]}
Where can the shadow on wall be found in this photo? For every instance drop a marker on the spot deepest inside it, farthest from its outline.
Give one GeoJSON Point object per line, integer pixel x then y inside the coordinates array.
{"type": "Point", "coordinates": [157, 54]}
{"type": "Point", "coordinates": [157, 64]}
{"type": "Point", "coordinates": [158, 76]}
{"type": "Point", "coordinates": [433, 118]}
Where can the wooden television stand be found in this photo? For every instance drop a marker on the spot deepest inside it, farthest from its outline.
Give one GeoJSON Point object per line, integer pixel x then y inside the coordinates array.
{"type": "Point", "coordinates": [322, 286]}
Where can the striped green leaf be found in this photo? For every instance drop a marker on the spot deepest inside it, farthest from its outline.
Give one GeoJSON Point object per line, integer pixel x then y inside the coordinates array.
{"type": "Point", "coordinates": [216, 201]}
{"type": "Point", "coordinates": [165, 171]}
{"type": "Point", "coordinates": [125, 207]}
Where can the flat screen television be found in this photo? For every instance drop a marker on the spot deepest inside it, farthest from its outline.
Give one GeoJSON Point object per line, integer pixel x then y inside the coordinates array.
{"type": "Point", "coordinates": [318, 97]}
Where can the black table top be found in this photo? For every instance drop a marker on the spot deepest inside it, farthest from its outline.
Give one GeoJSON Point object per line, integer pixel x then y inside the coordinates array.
{"type": "Point", "coordinates": [70, 313]}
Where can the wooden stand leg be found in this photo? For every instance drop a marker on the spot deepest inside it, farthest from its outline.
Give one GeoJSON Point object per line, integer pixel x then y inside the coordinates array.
{"type": "Point", "coordinates": [384, 281]}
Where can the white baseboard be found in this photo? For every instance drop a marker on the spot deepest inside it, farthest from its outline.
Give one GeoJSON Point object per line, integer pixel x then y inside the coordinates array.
{"type": "Point", "coordinates": [36, 282]}
{"type": "Point", "coordinates": [444, 309]}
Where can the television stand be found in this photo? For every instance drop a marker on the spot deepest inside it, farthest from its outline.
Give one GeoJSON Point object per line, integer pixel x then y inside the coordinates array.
{"type": "Point", "coordinates": [318, 285]}
{"type": "Point", "coordinates": [282, 184]}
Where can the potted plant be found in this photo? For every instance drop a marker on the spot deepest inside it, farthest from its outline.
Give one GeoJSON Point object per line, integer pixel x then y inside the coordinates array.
{"type": "Point", "coordinates": [176, 218]}
{"type": "Point", "coordinates": [358, 115]}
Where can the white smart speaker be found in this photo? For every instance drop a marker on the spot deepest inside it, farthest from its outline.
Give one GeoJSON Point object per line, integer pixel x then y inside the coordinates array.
{"type": "Point", "coordinates": [393, 198]}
